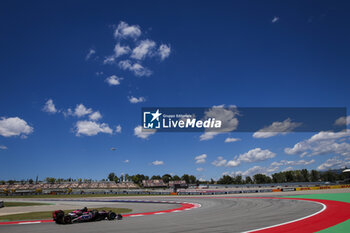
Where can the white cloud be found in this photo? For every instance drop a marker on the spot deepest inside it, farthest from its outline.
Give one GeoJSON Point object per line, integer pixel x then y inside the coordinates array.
{"type": "Point", "coordinates": [199, 169]}
{"type": "Point", "coordinates": [227, 117]}
{"type": "Point", "coordinates": [287, 169]}
{"type": "Point", "coordinates": [322, 143]}
{"type": "Point", "coordinates": [118, 129]}
{"type": "Point", "coordinates": [113, 80]}
{"type": "Point", "coordinates": [121, 50]}
{"type": "Point", "coordinates": [135, 100]}
{"type": "Point", "coordinates": [260, 170]}
{"type": "Point", "coordinates": [109, 59]}
{"type": "Point", "coordinates": [328, 136]}
{"type": "Point", "coordinates": [275, 19]}
{"type": "Point", "coordinates": [95, 116]}
{"type": "Point", "coordinates": [276, 128]}
{"type": "Point", "coordinates": [49, 107]}
{"type": "Point", "coordinates": [144, 134]}
{"type": "Point", "coordinates": [91, 128]}
{"type": "Point", "coordinates": [90, 53]}
{"type": "Point", "coordinates": [2, 147]}
{"type": "Point", "coordinates": [255, 155]}
{"type": "Point", "coordinates": [67, 113]}
{"type": "Point", "coordinates": [208, 135]}
{"type": "Point", "coordinates": [333, 163]}
{"type": "Point", "coordinates": [232, 140]}
{"type": "Point", "coordinates": [342, 121]}
{"type": "Point", "coordinates": [164, 51]}
{"type": "Point", "coordinates": [145, 48]}
{"type": "Point", "coordinates": [136, 68]}
{"type": "Point", "coordinates": [292, 163]}
{"type": "Point", "coordinates": [200, 158]}
{"type": "Point", "coordinates": [125, 30]}
{"type": "Point", "coordinates": [233, 163]}
{"type": "Point", "coordinates": [81, 110]}
{"type": "Point", "coordinates": [126, 161]}
{"type": "Point", "coordinates": [219, 162]}
{"type": "Point", "coordinates": [157, 162]}
{"type": "Point", "coordinates": [14, 126]}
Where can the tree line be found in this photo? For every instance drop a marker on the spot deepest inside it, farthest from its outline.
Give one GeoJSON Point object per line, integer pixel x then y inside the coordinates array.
{"type": "Point", "coordinates": [138, 178]}
{"type": "Point", "coordinates": [302, 175]}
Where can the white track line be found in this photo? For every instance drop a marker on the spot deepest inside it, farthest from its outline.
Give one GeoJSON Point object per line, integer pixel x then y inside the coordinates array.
{"type": "Point", "coordinates": [30, 222]}
{"type": "Point", "coordinates": [323, 209]}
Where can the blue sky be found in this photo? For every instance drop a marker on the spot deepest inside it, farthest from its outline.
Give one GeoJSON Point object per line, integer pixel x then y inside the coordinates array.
{"type": "Point", "coordinates": [180, 54]}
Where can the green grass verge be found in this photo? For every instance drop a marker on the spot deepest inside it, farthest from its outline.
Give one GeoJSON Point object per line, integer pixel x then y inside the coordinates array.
{"type": "Point", "coordinates": [77, 195]}
{"type": "Point", "coordinates": [48, 214]}
{"type": "Point", "coordinates": [344, 197]}
{"type": "Point", "coordinates": [14, 204]}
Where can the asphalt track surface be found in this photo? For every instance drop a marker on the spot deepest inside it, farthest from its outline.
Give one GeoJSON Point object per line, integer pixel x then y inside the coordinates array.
{"type": "Point", "coordinates": [215, 215]}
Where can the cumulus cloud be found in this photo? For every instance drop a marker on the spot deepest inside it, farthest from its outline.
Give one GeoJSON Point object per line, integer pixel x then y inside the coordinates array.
{"type": "Point", "coordinates": [292, 163]}
{"type": "Point", "coordinates": [322, 143]}
{"type": "Point", "coordinates": [276, 128]}
{"type": "Point", "coordinates": [95, 116]}
{"type": "Point", "coordinates": [207, 136]}
{"type": "Point", "coordinates": [2, 147]}
{"type": "Point", "coordinates": [90, 54]}
{"type": "Point", "coordinates": [253, 155]}
{"type": "Point", "coordinates": [157, 162]}
{"type": "Point", "coordinates": [135, 100]}
{"type": "Point", "coordinates": [228, 119]}
{"type": "Point", "coordinates": [342, 121]}
{"type": "Point", "coordinates": [118, 129]}
{"type": "Point", "coordinates": [219, 162]}
{"type": "Point", "coordinates": [14, 126]}
{"type": "Point", "coordinates": [120, 50]}
{"type": "Point", "coordinates": [200, 158]}
{"type": "Point", "coordinates": [125, 30]}
{"type": "Point", "coordinates": [164, 51]}
{"type": "Point", "coordinates": [275, 19]}
{"type": "Point", "coordinates": [260, 170]}
{"type": "Point", "coordinates": [233, 163]}
{"type": "Point", "coordinates": [227, 140]}
{"type": "Point", "coordinates": [136, 68]}
{"type": "Point", "coordinates": [81, 110]}
{"type": "Point", "coordinates": [113, 80]}
{"type": "Point", "coordinates": [91, 128]}
{"type": "Point", "coordinates": [49, 107]}
{"type": "Point", "coordinates": [144, 134]}
{"type": "Point", "coordinates": [109, 59]}
{"type": "Point", "coordinates": [199, 169]}
{"type": "Point", "coordinates": [126, 161]}
{"type": "Point", "coordinates": [333, 163]}
{"type": "Point", "coordinates": [145, 48]}
{"type": "Point", "coordinates": [287, 169]}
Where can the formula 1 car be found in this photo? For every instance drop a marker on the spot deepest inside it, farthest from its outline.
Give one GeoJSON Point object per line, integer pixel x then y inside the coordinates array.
{"type": "Point", "coordinates": [83, 215]}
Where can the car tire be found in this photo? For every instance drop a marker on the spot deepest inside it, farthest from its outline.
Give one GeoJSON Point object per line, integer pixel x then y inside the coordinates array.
{"type": "Point", "coordinates": [67, 219]}
{"type": "Point", "coordinates": [111, 215]}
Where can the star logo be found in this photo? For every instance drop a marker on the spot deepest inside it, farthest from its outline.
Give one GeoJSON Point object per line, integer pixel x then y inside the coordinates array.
{"type": "Point", "coordinates": [156, 115]}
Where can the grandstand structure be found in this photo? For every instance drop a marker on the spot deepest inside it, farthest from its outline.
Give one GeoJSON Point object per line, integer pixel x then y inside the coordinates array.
{"type": "Point", "coordinates": [154, 184]}
{"type": "Point", "coordinates": [65, 187]}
